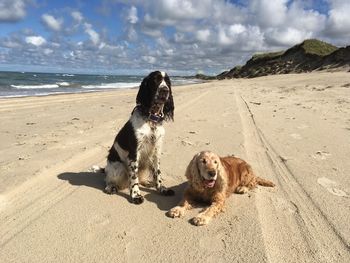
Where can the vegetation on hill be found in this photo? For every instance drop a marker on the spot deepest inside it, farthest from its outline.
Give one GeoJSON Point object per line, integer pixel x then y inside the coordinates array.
{"type": "Point", "coordinates": [317, 47]}
{"type": "Point", "coordinates": [270, 55]}
{"type": "Point", "coordinates": [311, 54]}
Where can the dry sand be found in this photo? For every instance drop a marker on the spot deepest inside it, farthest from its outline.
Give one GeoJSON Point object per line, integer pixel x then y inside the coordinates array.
{"type": "Point", "coordinates": [293, 129]}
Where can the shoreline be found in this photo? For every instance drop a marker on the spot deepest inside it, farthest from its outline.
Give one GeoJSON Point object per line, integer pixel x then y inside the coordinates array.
{"type": "Point", "coordinates": [92, 91]}
{"type": "Point", "coordinates": [31, 85]}
{"type": "Point", "coordinates": [65, 93]}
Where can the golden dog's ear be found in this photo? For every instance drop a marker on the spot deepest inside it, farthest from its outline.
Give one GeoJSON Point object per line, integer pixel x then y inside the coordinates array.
{"type": "Point", "coordinates": [192, 168]}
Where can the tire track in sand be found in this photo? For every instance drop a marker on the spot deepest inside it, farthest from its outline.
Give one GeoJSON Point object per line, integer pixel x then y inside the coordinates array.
{"type": "Point", "coordinates": [293, 225]}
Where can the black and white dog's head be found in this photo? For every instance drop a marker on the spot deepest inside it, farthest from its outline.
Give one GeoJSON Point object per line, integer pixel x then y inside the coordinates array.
{"type": "Point", "coordinates": [155, 95]}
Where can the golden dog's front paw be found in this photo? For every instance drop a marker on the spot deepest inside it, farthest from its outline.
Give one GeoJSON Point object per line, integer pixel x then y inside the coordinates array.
{"type": "Point", "coordinates": [200, 220]}
{"type": "Point", "coordinates": [177, 211]}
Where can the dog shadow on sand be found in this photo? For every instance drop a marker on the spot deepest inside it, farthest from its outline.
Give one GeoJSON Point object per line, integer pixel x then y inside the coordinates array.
{"type": "Point", "coordinates": [96, 180]}
{"type": "Point", "coordinates": [164, 203]}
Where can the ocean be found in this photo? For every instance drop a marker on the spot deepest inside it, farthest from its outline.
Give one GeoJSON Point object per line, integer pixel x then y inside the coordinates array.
{"type": "Point", "coordinates": [22, 84]}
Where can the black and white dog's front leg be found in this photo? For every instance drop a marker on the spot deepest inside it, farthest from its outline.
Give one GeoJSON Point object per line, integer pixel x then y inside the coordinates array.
{"type": "Point", "coordinates": [157, 177]}
{"type": "Point", "coordinates": [135, 194]}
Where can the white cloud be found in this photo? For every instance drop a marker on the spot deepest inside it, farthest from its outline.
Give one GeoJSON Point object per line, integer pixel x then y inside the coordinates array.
{"type": "Point", "coordinates": [11, 42]}
{"type": "Point", "coordinates": [77, 16]}
{"type": "Point", "coordinates": [132, 19]}
{"type": "Point", "coordinates": [152, 27]}
{"type": "Point", "coordinates": [223, 37]}
{"type": "Point", "coordinates": [132, 15]}
{"type": "Point", "coordinates": [55, 45]}
{"type": "Point", "coordinates": [225, 12]}
{"type": "Point", "coordinates": [51, 22]}
{"type": "Point", "coordinates": [179, 37]}
{"type": "Point", "coordinates": [269, 13]}
{"type": "Point", "coordinates": [94, 36]}
{"type": "Point", "coordinates": [182, 9]}
{"type": "Point", "coordinates": [149, 59]}
{"type": "Point", "coordinates": [169, 52]}
{"type": "Point", "coordinates": [12, 10]}
{"type": "Point", "coordinates": [237, 29]}
{"type": "Point", "coordinates": [286, 36]}
{"type": "Point", "coordinates": [48, 51]}
{"type": "Point", "coordinates": [154, 22]}
{"type": "Point", "coordinates": [304, 20]}
{"type": "Point", "coordinates": [35, 40]}
{"type": "Point", "coordinates": [102, 45]}
{"type": "Point", "coordinates": [203, 35]}
{"type": "Point", "coordinates": [285, 23]}
{"type": "Point", "coordinates": [181, 14]}
{"type": "Point", "coordinates": [339, 19]}
{"type": "Point", "coordinates": [132, 34]}
{"type": "Point", "coordinates": [240, 38]}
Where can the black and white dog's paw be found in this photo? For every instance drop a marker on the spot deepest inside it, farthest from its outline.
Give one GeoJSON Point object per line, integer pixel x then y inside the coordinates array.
{"type": "Point", "coordinates": [137, 199]}
{"type": "Point", "coordinates": [110, 189]}
{"type": "Point", "coordinates": [166, 191]}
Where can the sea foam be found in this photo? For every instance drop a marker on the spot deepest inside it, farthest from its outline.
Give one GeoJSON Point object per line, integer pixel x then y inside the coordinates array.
{"type": "Point", "coordinates": [45, 86]}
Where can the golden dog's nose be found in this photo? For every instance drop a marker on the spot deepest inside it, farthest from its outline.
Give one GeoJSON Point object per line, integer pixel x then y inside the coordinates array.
{"type": "Point", "coordinates": [211, 173]}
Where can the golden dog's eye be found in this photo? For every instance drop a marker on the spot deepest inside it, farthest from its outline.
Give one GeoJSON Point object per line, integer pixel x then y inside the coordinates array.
{"type": "Point", "coordinates": [215, 162]}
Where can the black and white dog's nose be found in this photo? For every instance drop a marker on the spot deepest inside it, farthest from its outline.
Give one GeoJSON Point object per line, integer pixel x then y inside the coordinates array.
{"type": "Point", "coordinates": [163, 91]}
{"type": "Point", "coordinates": [164, 87]}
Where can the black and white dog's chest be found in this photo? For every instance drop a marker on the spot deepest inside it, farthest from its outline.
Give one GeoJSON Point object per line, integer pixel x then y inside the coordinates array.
{"type": "Point", "coordinates": [149, 138]}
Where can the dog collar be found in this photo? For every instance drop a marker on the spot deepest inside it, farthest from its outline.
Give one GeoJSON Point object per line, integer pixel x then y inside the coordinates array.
{"type": "Point", "coordinates": [155, 118]}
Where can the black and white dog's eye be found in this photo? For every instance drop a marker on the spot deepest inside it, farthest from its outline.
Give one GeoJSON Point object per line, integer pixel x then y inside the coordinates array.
{"type": "Point", "coordinates": [204, 161]}
{"type": "Point", "coordinates": [159, 78]}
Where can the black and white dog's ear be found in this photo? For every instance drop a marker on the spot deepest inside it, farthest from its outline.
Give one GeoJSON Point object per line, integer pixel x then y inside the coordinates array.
{"type": "Point", "coordinates": [169, 107]}
{"type": "Point", "coordinates": [144, 96]}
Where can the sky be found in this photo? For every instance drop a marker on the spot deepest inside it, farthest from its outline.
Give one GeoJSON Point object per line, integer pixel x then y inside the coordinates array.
{"type": "Point", "coordinates": [182, 37]}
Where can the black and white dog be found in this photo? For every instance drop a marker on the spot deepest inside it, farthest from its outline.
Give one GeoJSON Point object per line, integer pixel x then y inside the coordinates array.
{"type": "Point", "coordinates": [137, 146]}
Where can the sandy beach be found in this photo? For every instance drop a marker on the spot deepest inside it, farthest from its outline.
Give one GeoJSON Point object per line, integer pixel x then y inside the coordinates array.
{"type": "Point", "coordinates": [293, 129]}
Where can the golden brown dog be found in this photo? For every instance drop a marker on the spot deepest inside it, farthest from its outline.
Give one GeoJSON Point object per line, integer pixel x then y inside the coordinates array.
{"type": "Point", "coordinates": [212, 179]}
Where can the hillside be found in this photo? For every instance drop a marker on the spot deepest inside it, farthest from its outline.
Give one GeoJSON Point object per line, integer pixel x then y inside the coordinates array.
{"type": "Point", "coordinates": [307, 56]}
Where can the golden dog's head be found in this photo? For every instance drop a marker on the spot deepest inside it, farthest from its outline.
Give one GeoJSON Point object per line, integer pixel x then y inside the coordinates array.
{"type": "Point", "coordinates": [204, 169]}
